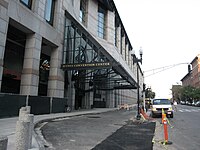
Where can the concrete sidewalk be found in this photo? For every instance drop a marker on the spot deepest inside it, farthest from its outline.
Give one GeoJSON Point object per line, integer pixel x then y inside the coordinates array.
{"type": "Point", "coordinates": [8, 125]}
{"type": "Point", "coordinates": [159, 138]}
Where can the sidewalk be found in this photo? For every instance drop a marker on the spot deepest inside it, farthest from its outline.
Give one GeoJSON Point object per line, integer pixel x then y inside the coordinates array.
{"type": "Point", "coordinates": [159, 138]}
{"type": "Point", "coordinates": [8, 125]}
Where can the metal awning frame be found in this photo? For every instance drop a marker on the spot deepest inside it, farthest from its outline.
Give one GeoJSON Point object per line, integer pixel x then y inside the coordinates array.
{"type": "Point", "coordinates": [115, 74]}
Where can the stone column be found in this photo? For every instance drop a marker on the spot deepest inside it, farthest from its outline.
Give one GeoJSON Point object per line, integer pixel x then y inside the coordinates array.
{"type": "Point", "coordinates": [127, 54]}
{"type": "Point", "coordinates": [4, 19]}
{"type": "Point", "coordinates": [88, 98]}
{"type": "Point", "coordinates": [132, 66]}
{"type": "Point", "coordinates": [56, 74]}
{"type": "Point", "coordinates": [91, 99]}
{"type": "Point", "coordinates": [30, 72]}
{"type": "Point", "coordinates": [24, 129]}
{"type": "Point", "coordinates": [123, 47]}
{"type": "Point", "coordinates": [92, 17]}
{"type": "Point", "coordinates": [70, 91]}
{"type": "Point", "coordinates": [119, 38]}
{"type": "Point", "coordinates": [129, 58]}
{"type": "Point", "coordinates": [73, 94]}
{"type": "Point", "coordinates": [39, 8]}
{"type": "Point", "coordinates": [110, 27]}
{"type": "Point", "coordinates": [85, 101]}
{"type": "Point", "coordinates": [110, 99]}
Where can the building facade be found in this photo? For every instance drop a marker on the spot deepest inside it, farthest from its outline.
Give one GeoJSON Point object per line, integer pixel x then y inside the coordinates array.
{"type": "Point", "coordinates": [192, 78]}
{"type": "Point", "coordinates": [74, 49]}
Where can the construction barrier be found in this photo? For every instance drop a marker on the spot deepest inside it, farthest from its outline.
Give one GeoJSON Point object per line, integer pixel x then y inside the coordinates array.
{"type": "Point", "coordinates": [165, 122]}
{"type": "Point", "coordinates": [163, 115]}
{"type": "Point", "coordinates": [165, 130]}
{"type": "Point", "coordinates": [144, 115]}
{"type": "Point", "coordinates": [125, 106]}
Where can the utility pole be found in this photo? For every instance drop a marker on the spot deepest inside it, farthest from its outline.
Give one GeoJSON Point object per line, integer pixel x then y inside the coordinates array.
{"type": "Point", "coordinates": [136, 60]}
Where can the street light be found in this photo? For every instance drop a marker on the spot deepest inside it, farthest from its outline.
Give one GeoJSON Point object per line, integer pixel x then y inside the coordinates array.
{"type": "Point", "coordinates": [136, 60]}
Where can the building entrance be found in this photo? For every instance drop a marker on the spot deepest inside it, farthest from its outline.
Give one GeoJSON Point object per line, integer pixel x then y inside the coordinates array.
{"type": "Point", "coordinates": [13, 60]}
{"type": "Point", "coordinates": [79, 85]}
{"type": "Point", "coordinates": [90, 68]}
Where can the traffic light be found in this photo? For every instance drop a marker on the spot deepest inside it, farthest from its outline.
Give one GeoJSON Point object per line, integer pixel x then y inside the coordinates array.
{"type": "Point", "coordinates": [144, 86]}
{"type": "Point", "coordinates": [189, 68]}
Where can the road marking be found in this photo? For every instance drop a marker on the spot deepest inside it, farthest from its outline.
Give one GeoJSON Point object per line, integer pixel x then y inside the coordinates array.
{"type": "Point", "coordinates": [72, 140]}
{"type": "Point", "coordinates": [195, 110]}
{"type": "Point", "coordinates": [188, 110]}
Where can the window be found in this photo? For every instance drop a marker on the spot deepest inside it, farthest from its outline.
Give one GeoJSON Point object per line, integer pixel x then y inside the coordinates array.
{"type": "Point", "coordinates": [101, 22]}
{"type": "Point", "coordinates": [82, 15]}
{"type": "Point", "coordinates": [27, 3]}
{"type": "Point", "coordinates": [161, 102]}
{"type": "Point", "coordinates": [116, 30]}
{"type": "Point", "coordinates": [49, 11]}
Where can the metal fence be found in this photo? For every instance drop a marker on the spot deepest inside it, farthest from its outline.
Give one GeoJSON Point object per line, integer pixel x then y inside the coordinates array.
{"type": "Point", "coordinates": [11, 103]}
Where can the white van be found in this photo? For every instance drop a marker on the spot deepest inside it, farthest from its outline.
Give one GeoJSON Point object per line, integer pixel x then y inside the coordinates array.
{"type": "Point", "coordinates": [159, 104]}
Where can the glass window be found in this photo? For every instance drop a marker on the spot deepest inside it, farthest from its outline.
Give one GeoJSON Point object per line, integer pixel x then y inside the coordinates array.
{"type": "Point", "coordinates": [115, 36]}
{"type": "Point", "coordinates": [26, 3]}
{"type": "Point", "coordinates": [49, 11]}
{"type": "Point", "coordinates": [101, 22]}
{"type": "Point", "coordinates": [116, 26]}
{"type": "Point", "coordinates": [82, 15]}
{"type": "Point", "coordinates": [161, 101]}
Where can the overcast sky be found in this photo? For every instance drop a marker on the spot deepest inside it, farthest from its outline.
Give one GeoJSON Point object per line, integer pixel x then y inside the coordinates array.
{"type": "Point", "coordinates": [169, 33]}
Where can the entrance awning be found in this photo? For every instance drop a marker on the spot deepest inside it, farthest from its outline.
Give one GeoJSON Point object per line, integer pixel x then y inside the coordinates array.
{"type": "Point", "coordinates": [90, 62]}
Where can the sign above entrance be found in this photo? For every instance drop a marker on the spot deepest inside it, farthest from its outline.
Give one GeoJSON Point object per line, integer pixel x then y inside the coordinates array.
{"type": "Point", "coordinates": [86, 66]}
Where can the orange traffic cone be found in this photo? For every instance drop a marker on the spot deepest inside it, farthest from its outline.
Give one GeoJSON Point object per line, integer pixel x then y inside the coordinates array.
{"type": "Point", "coordinates": [166, 141]}
{"type": "Point", "coordinates": [163, 115]}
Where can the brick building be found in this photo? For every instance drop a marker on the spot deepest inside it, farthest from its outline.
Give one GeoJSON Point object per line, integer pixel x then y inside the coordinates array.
{"type": "Point", "coordinates": [192, 78]}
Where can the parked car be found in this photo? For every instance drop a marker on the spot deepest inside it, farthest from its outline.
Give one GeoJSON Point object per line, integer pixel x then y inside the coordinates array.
{"type": "Point", "coordinates": [197, 103]}
{"type": "Point", "coordinates": [159, 104]}
{"type": "Point", "coordinates": [193, 103]}
{"type": "Point", "coordinates": [188, 103]}
{"type": "Point", "coordinates": [182, 102]}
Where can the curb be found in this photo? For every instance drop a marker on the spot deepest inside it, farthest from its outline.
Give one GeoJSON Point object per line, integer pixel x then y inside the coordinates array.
{"type": "Point", "coordinates": [41, 142]}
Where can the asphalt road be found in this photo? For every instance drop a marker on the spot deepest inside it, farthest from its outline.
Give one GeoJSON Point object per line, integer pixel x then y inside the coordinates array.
{"type": "Point", "coordinates": [95, 131]}
{"type": "Point", "coordinates": [184, 132]}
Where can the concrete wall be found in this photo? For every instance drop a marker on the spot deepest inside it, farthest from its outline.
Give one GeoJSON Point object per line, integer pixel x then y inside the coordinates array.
{"type": "Point", "coordinates": [4, 18]}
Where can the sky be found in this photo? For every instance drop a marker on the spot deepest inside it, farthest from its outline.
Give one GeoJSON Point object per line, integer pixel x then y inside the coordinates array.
{"type": "Point", "coordinates": [168, 32]}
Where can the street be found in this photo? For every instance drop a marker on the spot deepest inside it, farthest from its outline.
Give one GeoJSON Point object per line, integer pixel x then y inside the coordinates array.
{"type": "Point", "coordinates": [85, 132]}
{"type": "Point", "coordinates": [184, 130]}
{"type": "Point", "coordinates": [97, 131]}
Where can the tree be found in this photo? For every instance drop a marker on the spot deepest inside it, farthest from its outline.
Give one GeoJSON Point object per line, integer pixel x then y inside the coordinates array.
{"type": "Point", "coordinates": [149, 93]}
{"type": "Point", "coordinates": [176, 92]}
{"type": "Point", "coordinates": [189, 93]}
